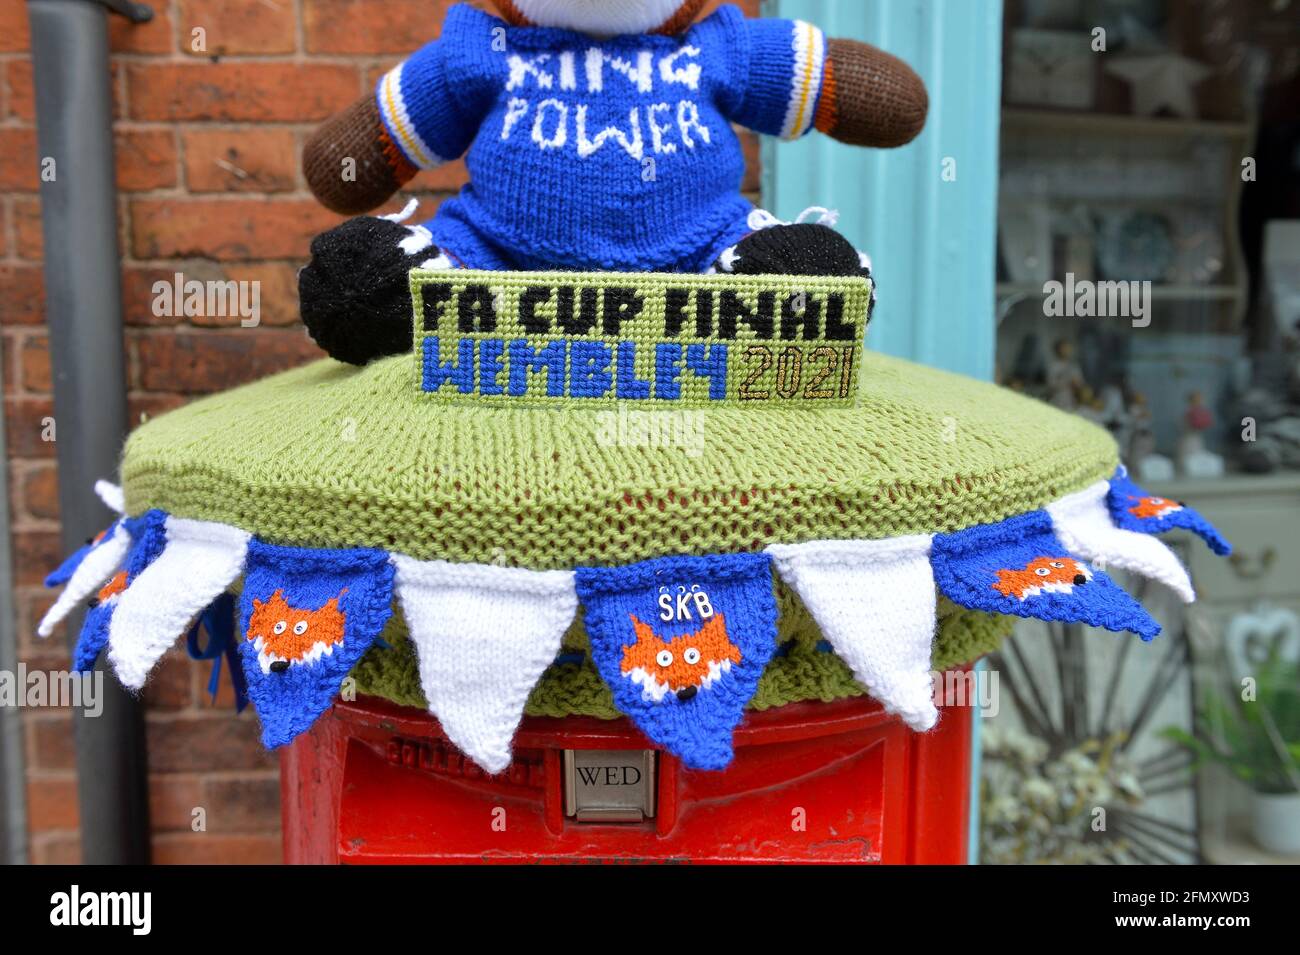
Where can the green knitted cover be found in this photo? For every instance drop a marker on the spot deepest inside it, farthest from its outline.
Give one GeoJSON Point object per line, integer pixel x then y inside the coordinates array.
{"type": "Point", "coordinates": [335, 456]}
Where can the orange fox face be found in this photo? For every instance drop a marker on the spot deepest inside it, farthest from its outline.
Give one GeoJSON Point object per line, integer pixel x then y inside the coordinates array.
{"type": "Point", "coordinates": [1045, 575]}
{"type": "Point", "coordinates": [1147, 507]}
{"type": "Point", "coordinates": [113, 587]}
{"type": "Point", "coordinates": [286, 636]}
{"type": "Point", "coordinates": [681, 666]}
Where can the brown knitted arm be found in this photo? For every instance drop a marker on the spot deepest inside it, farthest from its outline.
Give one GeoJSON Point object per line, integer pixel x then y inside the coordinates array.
{"type": "Point", "coordinates": [355, 134]}
{"type": "Point", "coordinates": [869, 97]}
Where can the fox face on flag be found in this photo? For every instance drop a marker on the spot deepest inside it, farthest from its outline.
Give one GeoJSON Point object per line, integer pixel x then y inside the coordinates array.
{"type": "Point", "coordinates": [1133, 509]}
{"type": "Point", "coordinates": [682, 643]}
{"type": "Point", "coordinates": [148, 539]}
{"type": "Point", "coordinates": [1019, 567]}
{"type": "Point", "coordinates": [306, 617]}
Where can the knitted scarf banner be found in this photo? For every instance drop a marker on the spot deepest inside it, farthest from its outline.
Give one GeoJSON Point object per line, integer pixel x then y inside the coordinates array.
{"type": "Point", "coordinates": [874, 602]}
{"type": "Point", "coordinates": [1134, 509]}
{"type": "Point", "coordinates": [307, 616]}
{"type": "Point", "coordinates": [198, 562]}
{"type": "Point", "coordinates": [148, 537]}
{"type": "Point", "coordinates": [668, 341]}
{"type": "Point", "coordinates": [484, 635]}
{"type": "Point", "coordinates": [1019, 567]}
{"type": "Point", "coordinates": [682, 643]}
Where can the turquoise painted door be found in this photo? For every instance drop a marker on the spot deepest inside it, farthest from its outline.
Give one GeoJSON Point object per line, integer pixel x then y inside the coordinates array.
{"type": "Point", "coordinates": [927, 213]}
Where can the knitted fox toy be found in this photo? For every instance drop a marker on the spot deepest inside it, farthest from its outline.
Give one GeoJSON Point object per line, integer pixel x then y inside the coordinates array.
{"type": "Point", "coordinates": [598, 136]}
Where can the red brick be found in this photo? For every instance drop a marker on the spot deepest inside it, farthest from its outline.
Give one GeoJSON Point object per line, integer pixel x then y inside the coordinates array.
{"type": "Point", "coordinates": [27, 227]}
{"type": "Point", "coordinates": [206, 848]}
{"type": "Point", "coordinates": [34, 364]}
{"type": "Point", "coordinates": [36, 493]}
{"type": "Point", "coordinates": [14, 33]}
{"type": "Point", "coordinates": [171, 685]}
{"type": "Point", "coordinates": [22, 295]}
{"type": "Point", "coordinates": [238, 26]}
{"type": "Point", "coordinates": [240, 160]}
{"type": "Point", "coordinates": [141, 408]}
{"type": "Point", "coordinates": [278, 284]}
{"type": "Point", "coordinates": [237, 229]}
{"type": "Point", "coordinates": [204, 362]}
{"type": "Point", "coordinates": [172, 801]}
{"type": "Point", "coordinates": [239, 92]}
{"type": "Point", "coordinates": [36, 553]}
{"type": "Point", "coordinates": [146, 159]}
{"type": "Point", "coordinates": [50, 740]}
{"type": "Point", "coordinates": [371, 26]}
{"type": "Point", "coordinates": [243, 803]}
{"type": "Point", "coordinates": [204, 744]}
{"type": "Point", "coordinates": [52, 803]}
{"type": "Point", "coordinates": [32, 603]}
{"type": "Point", "coordinates": [19, 164]}
{"type": "Point", "coordinates": [152, 37]}
{"type": "Point", "coordinates": [21, 101]}
{"type": "Point", "coordinates": [25, 426]}
{"type": "Point", "coordinates": [56, 849]}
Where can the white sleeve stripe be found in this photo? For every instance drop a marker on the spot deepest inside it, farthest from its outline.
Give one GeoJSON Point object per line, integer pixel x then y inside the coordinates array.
{"type": "Point", "coordinates": [398, 121]}
{"type": "Point", "coordinates": [809, 45]}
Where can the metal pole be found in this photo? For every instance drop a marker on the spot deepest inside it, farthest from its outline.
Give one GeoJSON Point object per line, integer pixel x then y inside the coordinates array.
{"type": "Point", "coordinates": [84, 302]}
{"type": "Point", "coordinates": [13, 792]}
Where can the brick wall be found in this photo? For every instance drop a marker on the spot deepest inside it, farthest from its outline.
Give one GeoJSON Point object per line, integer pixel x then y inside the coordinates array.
{"type": "Point", "coordinates": [210, 186]}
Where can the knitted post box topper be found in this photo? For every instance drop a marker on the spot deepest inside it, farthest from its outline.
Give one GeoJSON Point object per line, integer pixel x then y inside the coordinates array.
{"type": "Point", "coordinates": [672, 498]}
{"type": "Point", "coordinates": [598, 136]}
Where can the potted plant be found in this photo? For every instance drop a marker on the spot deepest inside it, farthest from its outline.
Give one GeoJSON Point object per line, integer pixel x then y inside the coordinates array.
{"type": "Point", "coordinates": [1256, 736]}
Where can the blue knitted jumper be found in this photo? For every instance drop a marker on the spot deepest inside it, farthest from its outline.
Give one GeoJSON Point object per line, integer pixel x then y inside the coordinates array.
{"type": "Point", "coordinates": [588, 153]}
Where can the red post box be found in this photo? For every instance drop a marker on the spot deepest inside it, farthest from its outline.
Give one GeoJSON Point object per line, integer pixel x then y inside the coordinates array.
{"type": "Point", "coordinates": [838, 782]}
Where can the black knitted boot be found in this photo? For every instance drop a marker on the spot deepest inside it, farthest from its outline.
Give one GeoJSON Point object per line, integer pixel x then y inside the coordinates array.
{"type": "Point", "coordinates": [804, 248]}
{"type": "Point", "coordinates": [355, 294]}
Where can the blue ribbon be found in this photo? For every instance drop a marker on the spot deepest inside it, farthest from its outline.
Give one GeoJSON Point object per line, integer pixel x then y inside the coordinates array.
{"type": "Point", "coordinates": [219, 621]}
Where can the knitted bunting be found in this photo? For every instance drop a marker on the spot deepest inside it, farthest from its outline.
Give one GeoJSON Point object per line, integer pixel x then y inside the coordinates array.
{"type": "Point", "coordinates": [307, 616]}
{"type": "Point", "coordinates": [682, 643]}
{"type": "Point", "coordinates": [148, 538]}
{"type": "Point", "coordinates": [1134, 509]}
{"type": "Point", "coordinates": [483, 635]}
{"type": "Point", "coordinates": [874, 601]}
{"type": "Point", "coordinates": [63, 573]}
{"type": "Point", "coordinates": [1083, 524]}
{"type": "Point", "coordinates": [99, 562]}
{"type": "Point", "coordinates": [1019, 567]}
{"type": "Point", "coordinates": [199, 562]}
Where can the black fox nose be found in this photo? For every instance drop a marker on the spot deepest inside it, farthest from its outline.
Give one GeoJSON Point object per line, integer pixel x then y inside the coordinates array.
{"type": "Point", "coordinates": [279, 666]}
{"type": "Point", "coordinates": [688, 693]}
{"type": "Point", "coordinates": [1080, 580]}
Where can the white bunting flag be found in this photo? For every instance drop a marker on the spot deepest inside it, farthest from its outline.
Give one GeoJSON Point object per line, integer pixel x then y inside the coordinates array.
{"type": "Point", "coordinates": [484, 636]}
{"type": "Point", "coordinates": [199, 561]}
{"type": "Point", "coordinates": [1083, 524]}
{"type": "Point", "coordinates": [99, 564]}
{"type": "Point", "coordinates": [874, 601]}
